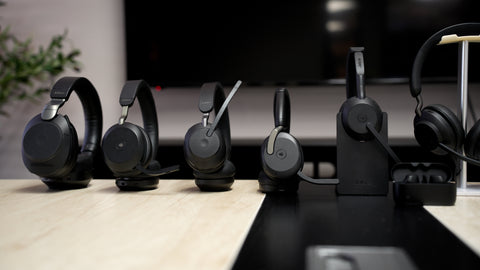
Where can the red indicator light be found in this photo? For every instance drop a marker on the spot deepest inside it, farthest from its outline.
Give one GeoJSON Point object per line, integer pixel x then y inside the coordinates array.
{"type": "Point", "coordinates": [158, 88]}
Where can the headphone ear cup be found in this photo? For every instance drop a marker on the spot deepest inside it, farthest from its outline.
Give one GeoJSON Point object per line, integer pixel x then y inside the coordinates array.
{"type": "Point", "coordinates": [356, 113]}
{"type": "Point", "coordinates": [205, 154]}
{"type": "Point", "coordinates": [124, 147]}
{"type": "Point", "coordinates": [437, 124]}
{"type": "Point", "coordinates": [50, 148]}
{"type": "Point", "coordinates": [286, 159]}
{"type": "Point", "coordinates": [472, 142]}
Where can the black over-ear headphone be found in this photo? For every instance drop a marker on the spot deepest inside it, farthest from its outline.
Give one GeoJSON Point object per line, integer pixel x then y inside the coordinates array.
{"type": "Point", "coordinates": [358, 109]}
{"type": "Point", "coordinates": [281, 153]}
{"type": "Point", "coordinates": [207, 146]}
{"type": "Point", "coordinates": [130, 150]}
{"type": "Point", "coordinates": [436, 127]}
{"type": "Point", "coordinates": [50, 144]}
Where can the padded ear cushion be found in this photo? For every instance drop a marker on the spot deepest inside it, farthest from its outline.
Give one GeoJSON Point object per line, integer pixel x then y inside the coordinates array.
{"type": "Point", "coordinates": [268, 185]}
{"type": "Point", "coordinates": [204, 153]}
{"type": "Point", "coordinates": [472, 142]}
{"type": "Point", "coordinates": [226, 171]}
{"type": "Point", "coordinates": [154, 165]}
{"type": "Point", "coordinates": [356, 113]}
{"type": "Point", "coordinates": [147, 157]}
{"type": "Point", "coordinates": [83, 167]}
{"type": "Point", "coordinates": [286, 160]}
{"type": "Point", "coordinates": [124, 147]}
{"type": "Point", "coordinates": [74, 146]}
{"type": "Point", "coordinates": [49, 148]}
{"type": "Point", "coordinates": [437, 125]}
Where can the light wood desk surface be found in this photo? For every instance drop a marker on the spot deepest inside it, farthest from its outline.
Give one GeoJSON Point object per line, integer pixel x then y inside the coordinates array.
{"type": "Point", "coordinates": [462, 219]}
{"type": "Point", "coordinates": [173, 227]}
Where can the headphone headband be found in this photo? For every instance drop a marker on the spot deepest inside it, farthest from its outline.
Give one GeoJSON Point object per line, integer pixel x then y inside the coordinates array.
{"type": "Point", "coordinates": [459, 29]}
{"type": "Point", "coordinates": [355, 73]}
{"type": "Point", "coordinates": [141, 90]}
{"type": "Point", "coordinates": [92, 109]}
{"type": "Point", "coordinates": [213, 97]}
{"type": "Point", "coordinates": [281, 109]}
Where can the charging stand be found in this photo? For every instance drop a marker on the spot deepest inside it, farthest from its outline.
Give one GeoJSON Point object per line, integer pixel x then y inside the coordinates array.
{"type": "Point", "coordinates": [362, 166]}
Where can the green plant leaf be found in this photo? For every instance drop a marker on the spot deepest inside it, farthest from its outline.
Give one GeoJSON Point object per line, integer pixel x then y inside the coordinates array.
{"type": "Point", "coordinates": [26, 72]}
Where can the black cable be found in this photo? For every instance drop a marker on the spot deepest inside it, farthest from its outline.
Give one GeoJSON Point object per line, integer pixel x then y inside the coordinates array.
{"type": "Point", "coordinates": [458, 155]}
{"type": "Point", "coordinates": [319, 181]}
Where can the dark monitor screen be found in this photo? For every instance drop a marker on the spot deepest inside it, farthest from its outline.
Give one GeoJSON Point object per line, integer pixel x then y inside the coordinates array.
{"type": "Point", "coordinates": [180, 43]}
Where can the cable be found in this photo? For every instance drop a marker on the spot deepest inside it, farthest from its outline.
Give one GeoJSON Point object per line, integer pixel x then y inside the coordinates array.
{"type": "Point", "coordinates": [320, 181]}
{"type": "Point", "coordinates": [458, 155]}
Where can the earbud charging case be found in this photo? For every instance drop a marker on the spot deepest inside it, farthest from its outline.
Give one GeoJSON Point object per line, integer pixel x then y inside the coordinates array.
{"type": "Point", "coordinates": [434, 185]}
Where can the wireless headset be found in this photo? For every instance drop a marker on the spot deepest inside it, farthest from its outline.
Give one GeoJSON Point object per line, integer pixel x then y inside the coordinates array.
{"type": "Point", "coordinates": [281, 153]}
{"type": "Point", "coordinates": [361, 128]}
{"type": "Point", "coordinates": [207, 146]}
{"type": "Point", "coordinates": [358, 109]}
{"type": "Point", "coordinates": [50, 144]}
{"type": "Point", "coordinates": [436, 127]}
{"type": "Point", "coordinates": [130, 150]}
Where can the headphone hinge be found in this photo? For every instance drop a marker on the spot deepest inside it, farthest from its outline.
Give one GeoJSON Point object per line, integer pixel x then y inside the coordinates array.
{"type": "Point", "coordinates": [418, 109]}
{"type": "Point", "coordinates": [51, 109]}
{"type": "Point", "coordinates": [124, 115]}
{"type": "Point", "coordinates": [205, 117]}
{"type": "Point", "coordinates": [272, 138]}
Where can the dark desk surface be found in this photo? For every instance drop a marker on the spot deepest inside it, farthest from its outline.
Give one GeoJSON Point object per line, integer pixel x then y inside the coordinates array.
{"type": "Point", "coordinates": [286, 225]}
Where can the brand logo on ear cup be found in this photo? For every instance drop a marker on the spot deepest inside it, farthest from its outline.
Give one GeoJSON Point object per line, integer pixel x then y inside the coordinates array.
{"type": "Point", "coordinates": [281, 154]}
{"type": "Point", "coordinates": [120, 146]}
{"type": "Point", "coordinates": [362, 118]}
{"type": "Point", "coordinates": [204, 143]}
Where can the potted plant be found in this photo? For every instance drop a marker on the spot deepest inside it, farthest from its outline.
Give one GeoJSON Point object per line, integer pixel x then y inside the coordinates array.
{"type": "Point", "coordinates": [26, 73]}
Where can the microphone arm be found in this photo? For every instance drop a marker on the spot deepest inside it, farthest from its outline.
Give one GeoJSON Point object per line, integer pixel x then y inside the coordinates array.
{"type": "Point", "coordinates": [385, 146]}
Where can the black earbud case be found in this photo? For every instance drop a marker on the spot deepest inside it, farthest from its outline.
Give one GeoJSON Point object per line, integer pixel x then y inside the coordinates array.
{"type": "Point", "coordinates": [423, 184]}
